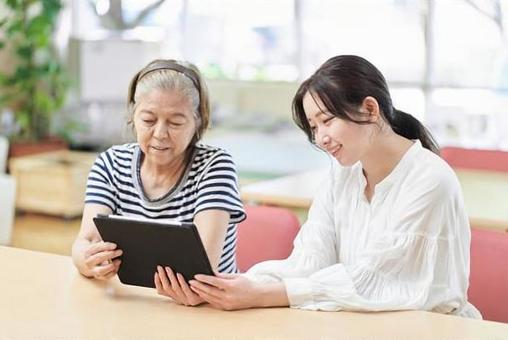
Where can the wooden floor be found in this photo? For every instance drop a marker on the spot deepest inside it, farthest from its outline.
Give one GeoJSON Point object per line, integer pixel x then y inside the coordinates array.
{"type": "Point", "coordinates": [44, 233]}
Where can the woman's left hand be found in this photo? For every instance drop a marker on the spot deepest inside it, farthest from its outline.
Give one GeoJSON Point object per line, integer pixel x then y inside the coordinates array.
{"type": "Point", "coordinates": [227, 291]}
{"type": "Point", "coordinates": [175, 287]}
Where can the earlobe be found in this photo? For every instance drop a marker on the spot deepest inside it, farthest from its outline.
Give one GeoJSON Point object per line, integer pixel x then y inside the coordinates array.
{"type": "Point", "coordinates": [373, 117]}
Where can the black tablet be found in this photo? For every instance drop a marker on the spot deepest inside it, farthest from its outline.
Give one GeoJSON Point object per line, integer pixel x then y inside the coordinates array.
{"type": "Point", "coordinates": [148, 243]}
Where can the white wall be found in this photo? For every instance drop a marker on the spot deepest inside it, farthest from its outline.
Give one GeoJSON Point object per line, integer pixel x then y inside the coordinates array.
{"type": "Point", "coordinates": [271, 99]}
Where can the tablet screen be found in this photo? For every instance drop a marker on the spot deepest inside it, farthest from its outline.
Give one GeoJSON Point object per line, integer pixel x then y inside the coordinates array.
{"type": "Point", "coordinates": [147, 243]}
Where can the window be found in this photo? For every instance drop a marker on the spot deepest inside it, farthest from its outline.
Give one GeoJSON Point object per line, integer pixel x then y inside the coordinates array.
{"type": "Point", "coordinates": [246, 40]}
{"type": "Point", "coordinates": [387, 33]}
{"type": "Point", "coordinates": [469, 73]}
{"type": "Point", "coordinates": [446, 61]}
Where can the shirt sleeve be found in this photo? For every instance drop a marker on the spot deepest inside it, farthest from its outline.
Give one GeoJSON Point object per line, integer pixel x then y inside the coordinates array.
{"type": "Point", "coordinates": [218, 188]}
{"type": "Point", "coordinates": [394, 272]}
{"type": "Point", "coordinates": [99, 186]}
{"type": "Point", "coordinates": [315, 246]}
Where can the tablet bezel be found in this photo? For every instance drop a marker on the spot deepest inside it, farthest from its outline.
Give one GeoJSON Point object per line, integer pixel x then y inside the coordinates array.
{"type": "Point", "coordinates": [143, 242]}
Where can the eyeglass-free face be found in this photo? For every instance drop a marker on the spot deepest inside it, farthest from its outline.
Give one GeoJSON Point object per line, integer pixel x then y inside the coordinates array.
{"type": "Point", "coordinates": [165, 125]}
{"type": "Point", "coordinates": [346, 141]}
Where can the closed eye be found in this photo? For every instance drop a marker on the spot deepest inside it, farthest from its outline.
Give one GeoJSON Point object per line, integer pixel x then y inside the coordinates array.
{"type": "Point", "coordinates": [327, 120]}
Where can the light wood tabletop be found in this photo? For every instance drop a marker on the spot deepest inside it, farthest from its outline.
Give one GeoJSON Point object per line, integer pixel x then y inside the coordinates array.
{"type": "Point", "coordinates": [43, 297]}
{"type": "Point", "coordinates": [485, 194]}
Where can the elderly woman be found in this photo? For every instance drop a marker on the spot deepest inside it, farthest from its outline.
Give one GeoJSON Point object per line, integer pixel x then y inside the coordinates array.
{"type": "Point", "coordinates": [166, 174]}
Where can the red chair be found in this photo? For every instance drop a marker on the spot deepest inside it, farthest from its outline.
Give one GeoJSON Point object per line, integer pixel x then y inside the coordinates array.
{"type": "Point", "coordinates": [477, 159]}
{"type": "Point", "coordinates": [488, 288]}
{"type": "Point", "coordinates": [266, 234]}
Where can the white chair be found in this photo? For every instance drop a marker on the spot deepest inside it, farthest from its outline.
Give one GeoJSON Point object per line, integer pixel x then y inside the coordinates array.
{"type": "Point", "coordinates": [7, 207]}
{"type": "Point", "coordinates": [4, 150]}
{"type": "Point", "coordinates": [7, 195]}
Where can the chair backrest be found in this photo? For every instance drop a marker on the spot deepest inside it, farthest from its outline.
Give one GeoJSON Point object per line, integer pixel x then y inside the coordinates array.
{"type": "Point", "coordinates": [477, 159]}
{"type": "Point", "coordinates": [488, 288]}
{"type": "Point", "coordinates": [7, 207]}
{"type": "Point", "coordinates": [266, 234]}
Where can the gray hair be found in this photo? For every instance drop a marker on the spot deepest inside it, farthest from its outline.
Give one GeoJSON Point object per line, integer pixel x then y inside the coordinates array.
{"type": "Point", "coordinates": [166, 79]}
{"type": "Point", "coordinates": [182, 77]}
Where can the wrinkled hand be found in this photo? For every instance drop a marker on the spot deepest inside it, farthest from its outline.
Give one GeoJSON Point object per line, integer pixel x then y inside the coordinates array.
{"type": "Point", "coordinates": [227, 291]}
{"type": "Point", "coordinates": [99, 260]}
{"type": "Point", "coordinates": [175, 287]}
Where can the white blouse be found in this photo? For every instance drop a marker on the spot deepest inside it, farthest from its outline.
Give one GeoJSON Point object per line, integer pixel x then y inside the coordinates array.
{"type": "Point", "coordinates": [408, 249]}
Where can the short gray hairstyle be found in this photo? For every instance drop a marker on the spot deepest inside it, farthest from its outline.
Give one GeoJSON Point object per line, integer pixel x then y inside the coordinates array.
{"type": "Point", "coordinates": [172, 75]}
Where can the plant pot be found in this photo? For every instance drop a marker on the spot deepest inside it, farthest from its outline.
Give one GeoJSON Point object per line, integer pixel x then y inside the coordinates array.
{"type": "Point", "coordinates": [18, 149]}
{"type": "Point", "coordinates": [52, 183]}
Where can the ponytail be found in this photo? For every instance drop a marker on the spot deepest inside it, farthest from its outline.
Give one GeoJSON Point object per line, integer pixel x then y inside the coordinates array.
{"type": "Point", "coordinates": [342, 83]}
{"type": "Point", "coordinates": [408, 126]}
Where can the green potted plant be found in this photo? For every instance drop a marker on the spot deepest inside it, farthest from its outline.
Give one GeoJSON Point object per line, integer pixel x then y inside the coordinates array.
{"type": "Point", "coordinates": [34, 88]}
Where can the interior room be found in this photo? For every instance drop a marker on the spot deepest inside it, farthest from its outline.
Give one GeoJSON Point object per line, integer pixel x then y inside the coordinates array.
{"type": "Point", "coordinates": [65, 72]}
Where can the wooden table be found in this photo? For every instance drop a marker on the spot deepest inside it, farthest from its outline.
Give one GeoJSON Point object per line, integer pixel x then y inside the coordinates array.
{"type": "Point", "coordinates": [485, 194]}
{"type": "Point", "coordinates": [292, 191]}
{"type": "Point", "coordinates": [43, 297]}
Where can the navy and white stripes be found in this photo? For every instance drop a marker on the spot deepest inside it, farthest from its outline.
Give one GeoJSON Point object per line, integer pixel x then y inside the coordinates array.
{"type": "Point", "coordinates": [209, 182]}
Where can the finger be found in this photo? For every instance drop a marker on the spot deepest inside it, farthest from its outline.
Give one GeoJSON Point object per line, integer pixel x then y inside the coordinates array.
{"type": "Point", "coordinates": [212, 280]}
{"type": "Point", "coordinates": [191, 296]}
{"type": "Point", "coordinates": [161, 291]}
{"type": "Point", "coordinates": [104, 270]}
{"type": "Point", "coordinates": [92, 249]}
{"type": "Point", "coordinates": [103, 278]}
{"type": "Point", "coordinates": [172, 278]}
{"type": "Point", "coordinates": [117, 263]}
{"type": "Point", "coordinates": [158, 284]}
{"type": "Point", "coordinates": [176, 285]}
{"type": "Point", "coordinates": [101, 271]}
{"type": "Point", "coordinates": [166, 285]}
{"type": "Point", "coordinates": [99, 247]}
{"type": "Point", "coordinates": [110, 274]}
{"type": "Point", "coordinates": [101, 257]}
{"type": "Point", "coordinates": [212, 300]}
{"type": "Point", "coordinates": [209, 290]}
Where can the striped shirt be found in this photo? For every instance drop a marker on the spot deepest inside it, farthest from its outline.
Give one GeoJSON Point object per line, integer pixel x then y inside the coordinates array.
{"type": "Point", "coordinates": [208, 182]}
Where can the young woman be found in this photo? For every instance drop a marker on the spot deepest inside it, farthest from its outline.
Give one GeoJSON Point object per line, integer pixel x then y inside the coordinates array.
{"type": "Point", "coordinates": [166, 174]}
{"type": "Point", "coordinates": [387, 229]}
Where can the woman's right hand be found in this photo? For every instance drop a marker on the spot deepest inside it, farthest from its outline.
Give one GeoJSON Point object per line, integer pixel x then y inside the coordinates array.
{"type": "Point", "coordinates": [100, 262]}
{"type": "Point", "coordinates": [175, 287]}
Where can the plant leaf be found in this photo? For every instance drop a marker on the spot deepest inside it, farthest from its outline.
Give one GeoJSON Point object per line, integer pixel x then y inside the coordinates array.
{"type": "Point", "coordinates": [25, 52]}
{"type": "Point", "coordinates": [37, 85]}
{"type": "Point", "coordinates": [12, 3]}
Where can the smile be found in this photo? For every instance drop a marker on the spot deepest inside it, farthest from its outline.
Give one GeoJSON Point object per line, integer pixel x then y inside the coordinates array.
{"type": "Point", "coordinates": [334, 152]}
{"type": "Point", "coordinates": [159, 148]}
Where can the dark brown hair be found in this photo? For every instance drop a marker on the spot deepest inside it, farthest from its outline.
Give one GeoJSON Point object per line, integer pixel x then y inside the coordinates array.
{"type": "Point", "coordinates": [342, 83]}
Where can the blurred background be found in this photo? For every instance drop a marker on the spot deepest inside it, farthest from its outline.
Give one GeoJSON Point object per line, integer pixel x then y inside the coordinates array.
{"type": "Point", "coordinates": [65, 68]}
